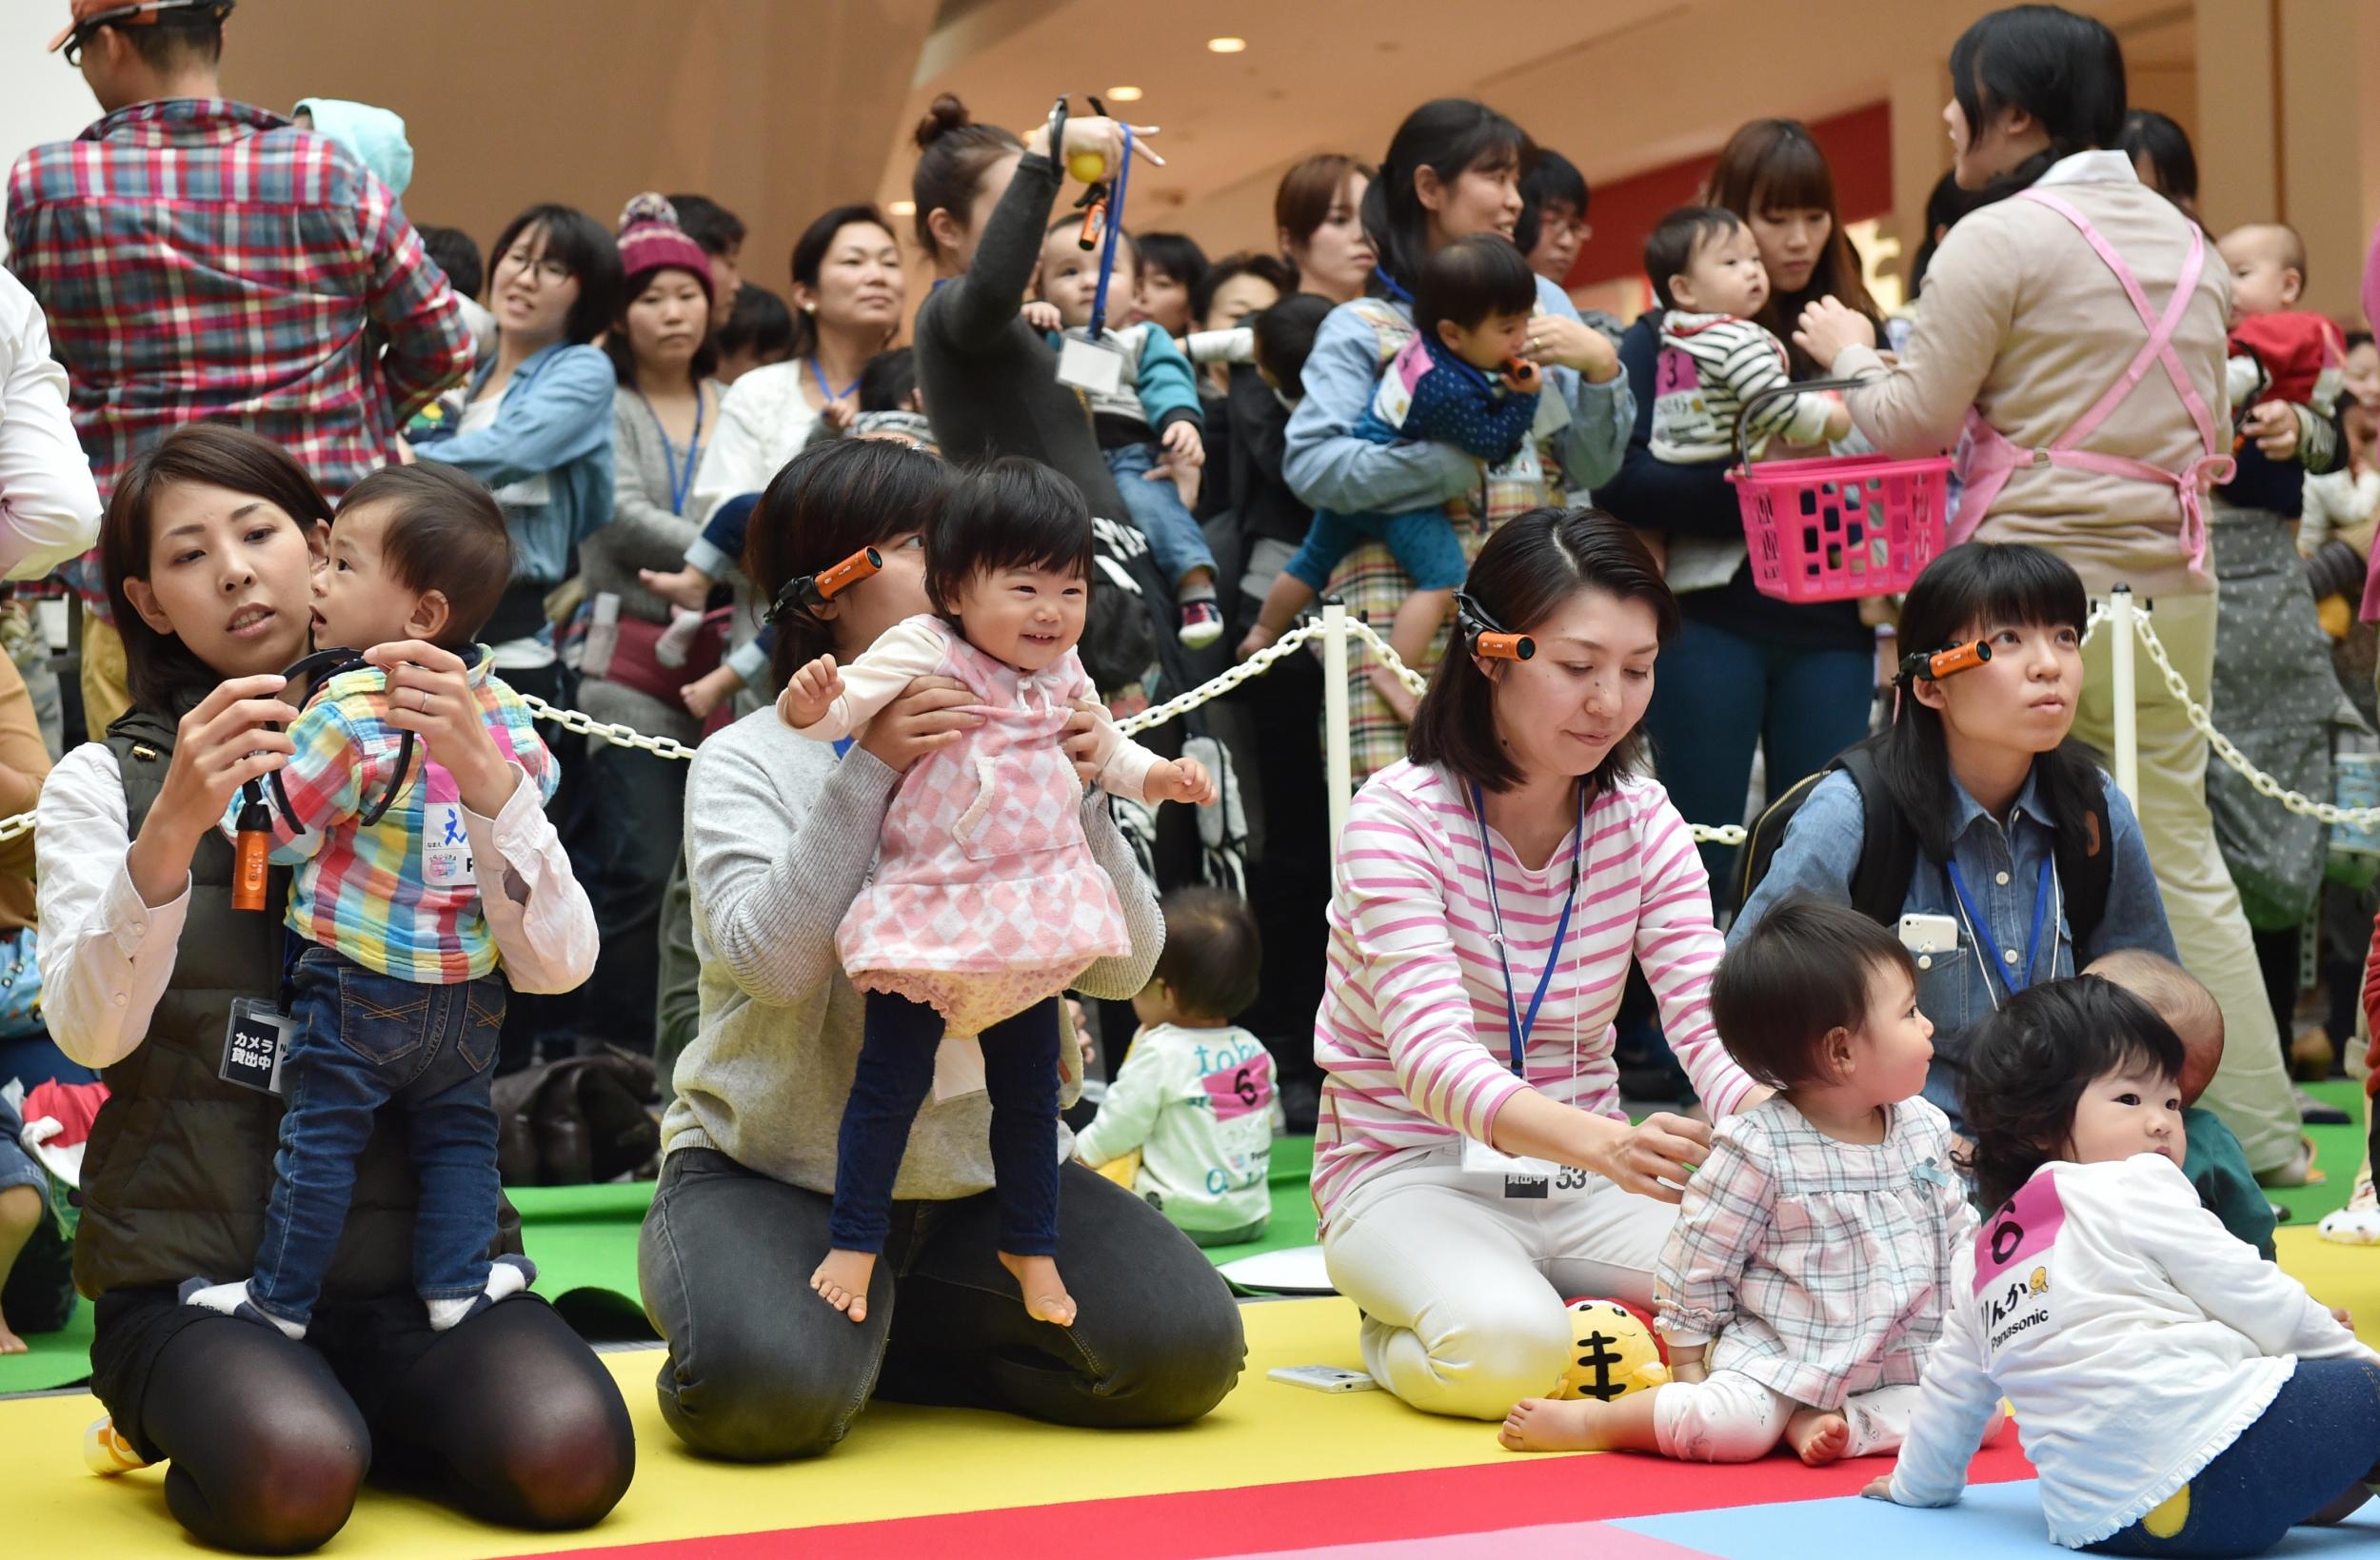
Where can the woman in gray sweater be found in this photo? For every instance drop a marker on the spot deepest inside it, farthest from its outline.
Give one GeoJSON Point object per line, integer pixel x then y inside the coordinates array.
{"type": "Point", "coordinates": [781, 833]}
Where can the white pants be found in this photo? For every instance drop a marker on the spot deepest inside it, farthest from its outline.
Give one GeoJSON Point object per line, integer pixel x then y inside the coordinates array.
{"type": "Point", "coordinates": [1463, 1289]}
{"type": "Point", "coordinates": [1731, 1418]}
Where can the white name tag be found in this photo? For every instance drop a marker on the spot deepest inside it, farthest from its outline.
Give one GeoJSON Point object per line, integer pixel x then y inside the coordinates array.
{"type": "Point", "coordinates": [1524, 1179]}
{"type": "Point", "coordinates": [446, 847]}
{"type": "Point", "coordinates": [1090, 366]}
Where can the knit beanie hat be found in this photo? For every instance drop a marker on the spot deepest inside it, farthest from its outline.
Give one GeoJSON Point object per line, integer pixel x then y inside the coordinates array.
{"type": "Point", "coordinates": [650, 240]}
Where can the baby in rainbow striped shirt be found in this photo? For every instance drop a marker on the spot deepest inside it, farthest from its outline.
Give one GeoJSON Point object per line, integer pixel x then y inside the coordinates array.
{"type": "Point", "coordinates": [397, 998]}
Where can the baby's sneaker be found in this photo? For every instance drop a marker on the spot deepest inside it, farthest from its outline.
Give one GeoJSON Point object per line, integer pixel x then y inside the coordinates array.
{"type": "Point", "coordinates": [106, 1453]}
{"type": "Point", "coordinates": [2352, 1227]}
{"type": "Point", "coordinates": [677, 641]}
{"type": "Point", "coordinates": [1201, 624]}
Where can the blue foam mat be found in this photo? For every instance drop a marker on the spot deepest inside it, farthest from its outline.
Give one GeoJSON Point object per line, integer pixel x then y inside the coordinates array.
{"type": "Point", "coordinates": [1991, 1522]}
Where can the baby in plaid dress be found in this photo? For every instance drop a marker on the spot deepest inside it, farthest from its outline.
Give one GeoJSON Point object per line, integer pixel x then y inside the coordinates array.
{"type": "Point", "coordinates": [1809, 1271]}
{"type": "Point", "coordinates": [985, 902]}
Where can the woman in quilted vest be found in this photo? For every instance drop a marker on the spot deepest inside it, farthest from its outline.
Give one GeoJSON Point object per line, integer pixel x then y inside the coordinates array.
{"type": "Point", "coordinates": [2071, 339]}
{"type": "Point", "coordinates": [1453, 169]}
{"type": "Point", "coordinates": [208, 548]}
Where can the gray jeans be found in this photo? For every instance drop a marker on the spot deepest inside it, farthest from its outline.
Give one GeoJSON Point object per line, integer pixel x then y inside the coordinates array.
{"type": "Point", "coordinates": [761, 1369]}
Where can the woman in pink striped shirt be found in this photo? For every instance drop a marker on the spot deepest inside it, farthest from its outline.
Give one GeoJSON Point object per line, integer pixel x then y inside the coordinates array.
{"type": "Point", "coordinates": [1493, 890]}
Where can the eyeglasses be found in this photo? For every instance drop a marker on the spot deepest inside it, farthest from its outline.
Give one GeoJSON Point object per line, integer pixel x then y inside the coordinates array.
{"type": "Point", "coordinates": [73, 50]}
{"type": "Point", "coordinates": [546, 271]}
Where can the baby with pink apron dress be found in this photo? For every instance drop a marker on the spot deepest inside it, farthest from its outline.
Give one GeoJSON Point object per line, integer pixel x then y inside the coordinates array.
{"type": "Point", "coordinates": [985, 902]}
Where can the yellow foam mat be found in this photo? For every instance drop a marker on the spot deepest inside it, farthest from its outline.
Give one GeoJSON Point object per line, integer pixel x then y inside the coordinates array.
{"type": "Point", "coordinates": [1264, 1432]}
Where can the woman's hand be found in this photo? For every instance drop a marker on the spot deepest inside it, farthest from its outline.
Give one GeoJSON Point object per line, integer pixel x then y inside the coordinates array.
{"type": "Point", "coordinates": [928, 716]}
{"type": "Point", "coordinates": [431, 694]}
{"type": "Point", "coordinates": [1556, 341]}
{"type": "Point", "coordinates": [2274, 425]}
{"type": "Point", "coordinates": [218, 747]}
{"type": "Point", "coordinates": [1654, 1158]}
{"type": "Point", "coordinates": [1088, 132]}
{"type": "Point", "coordinates": [1829, 325]}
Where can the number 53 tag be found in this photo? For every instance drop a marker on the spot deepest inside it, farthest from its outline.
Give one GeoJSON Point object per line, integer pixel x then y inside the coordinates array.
{"type": "Point", "coordinates": [1524, 1178]}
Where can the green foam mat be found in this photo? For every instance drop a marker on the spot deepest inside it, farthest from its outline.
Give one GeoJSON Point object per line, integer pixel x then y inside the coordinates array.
{"type": "Point", "coordinates": [2338, 1153]}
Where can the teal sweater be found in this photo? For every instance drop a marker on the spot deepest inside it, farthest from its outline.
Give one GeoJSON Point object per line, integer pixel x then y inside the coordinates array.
{"type": "Point", "coordinates": [2217, 1166]}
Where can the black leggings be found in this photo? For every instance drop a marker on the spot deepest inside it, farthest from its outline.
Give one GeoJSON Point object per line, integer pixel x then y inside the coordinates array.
{"type": "Point", "coordinates": [508, 1417]}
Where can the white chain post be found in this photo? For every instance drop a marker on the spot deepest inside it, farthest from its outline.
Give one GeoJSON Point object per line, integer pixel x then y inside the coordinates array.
{"type": "Point", "coordinates": [1337, 734]}
{"type": "Point", "coordinates": [2126, 690]}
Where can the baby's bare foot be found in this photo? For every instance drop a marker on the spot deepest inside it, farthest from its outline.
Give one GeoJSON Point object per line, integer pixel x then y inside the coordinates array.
{"type": "Point", "coordinates": [687, 589]}
{"type": "Point", "coordinates": [1540, 1424]}
{"type": "Point", "coordinates": [1819, 1436]}
{"type": "Point", "coordinates": [841, 1281]}
{"type": "Point", "coordinates": [10, 1342]}
{"type": "Point", "coordinates": [1046, 1296]}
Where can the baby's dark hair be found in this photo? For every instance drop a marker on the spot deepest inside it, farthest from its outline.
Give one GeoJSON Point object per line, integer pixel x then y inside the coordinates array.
{"type": "Point", "coordinates": [1471, 279]}
{"type": "Point", "coordinates": [1671, 248]}
{"type": "Point", "coordinates": [758, 320]}
{"type": "Point", "coordinates": [1213, 953]}
{"type": "Point", "coordinates": [1284, 338]}
{"type": "Point", "coordinates": [443, 532]}
{"type": "Point", "coordinates": [888, 379]}
{"type": "Point", "coordinates": [1011, 513]}
{"type": "Point", "coordinates": [2029, 1063]}
{"type": "Point", "coordinates": [1794, 976]}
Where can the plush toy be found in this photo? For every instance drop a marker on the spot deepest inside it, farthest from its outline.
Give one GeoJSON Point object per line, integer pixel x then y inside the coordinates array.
{"type": "Point", "coordinates": [1618, 1352]}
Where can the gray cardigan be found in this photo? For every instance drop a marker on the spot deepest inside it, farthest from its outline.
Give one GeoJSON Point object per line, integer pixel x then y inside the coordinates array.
{"type": "Point", "coordinates": [642, 535]}
{"type": "Point", "coordinates": [781, 836]}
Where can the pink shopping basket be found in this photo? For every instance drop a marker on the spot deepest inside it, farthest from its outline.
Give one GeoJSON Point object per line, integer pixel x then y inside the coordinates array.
{"type": "Point", "coordinates": [1837, 527]}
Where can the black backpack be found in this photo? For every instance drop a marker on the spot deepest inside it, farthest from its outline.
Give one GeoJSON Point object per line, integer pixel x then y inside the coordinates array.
{"type": "Point", "coordinates": [1889, 848]}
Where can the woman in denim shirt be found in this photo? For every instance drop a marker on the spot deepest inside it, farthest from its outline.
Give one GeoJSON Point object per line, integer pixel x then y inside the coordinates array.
{"type": "Point", "coordinates": [1980, 763]}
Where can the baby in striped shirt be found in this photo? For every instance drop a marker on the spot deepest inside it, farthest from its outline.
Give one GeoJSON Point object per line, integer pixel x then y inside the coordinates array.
{"type": "Point", "coordinates": [395, 996]}
{"type": "Point", "coordinates": [1706, 273]}
{"type": "Point", "coordinates": [1807, 1276]}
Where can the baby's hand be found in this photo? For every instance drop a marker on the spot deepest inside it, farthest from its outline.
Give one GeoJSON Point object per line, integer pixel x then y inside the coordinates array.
{"type": "Point", "coordinates": [2344, 1317]}
{"type": "Point", "coordinates": [1182, 780]}
{"type": "Point", "coordinates": [1043, 316]}
{"type": "Point", "coordinates": [1879, 1488]}
{"type": "Point", "coordinates": [1181, 441]}
{"type": "Point", "coordinates": [1839, 422]}
{"type": "Point", "coordinates": [811, 694]}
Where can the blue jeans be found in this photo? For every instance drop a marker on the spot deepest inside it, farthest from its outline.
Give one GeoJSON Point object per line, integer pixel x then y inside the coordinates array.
{"type": "Point", "coordinates": [1716, 695]}
{"type": "Point", "coordinates": [895, 1071]}
{"type": "Point", "coordinates": [1422, 541]}
{"type": "Point", "coordinates": [1157, 509]}
{"type": "Point", "coordinates": [2318, 1439]}
{"type": "Point", "coordinates": [362, 1040]}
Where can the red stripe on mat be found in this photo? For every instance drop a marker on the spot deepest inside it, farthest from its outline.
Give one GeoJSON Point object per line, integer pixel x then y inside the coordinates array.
{"type": "Point", "coordinates": [1426, 1504]}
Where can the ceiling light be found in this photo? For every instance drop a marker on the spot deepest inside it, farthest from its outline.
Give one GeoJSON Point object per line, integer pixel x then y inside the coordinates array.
{"type": "Point", "coordinates": [1227, 45]}
{"type": "Point", "coordinates": [903, 208]}
{"type": "Point", "coordinates": [1125, 94]}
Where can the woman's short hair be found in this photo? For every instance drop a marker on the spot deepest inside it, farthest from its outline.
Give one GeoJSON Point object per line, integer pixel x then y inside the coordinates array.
{"type": "Point", "coordinates": [1008, 513]}
{"type": "Point", "coordinates": [953, 151]}
{"type": "Point", "coordinates": [2149, 136]}
{"type": "Point", "coordinates": [1302, 201]}
{"type": "Point", "coordinates": [164, 676]}
{"type": "Point", "coordinates": [2066, 70]}
{"type": "Point", "coordinates": [1451, 136]}
{"type": "Point", "coordinates": [1794, 976]}
{"type": "Point", "coordinates": [1176, 254]}
{"type": "Point", "coordinates": [826, 503]}
{"type": "Point", "coordinates": [1527, 570]}
{"type": "Point", "coordinates": [586, 251]}
{"type": "Point", "coordinates": [1554, 179]}
{"type": "Point", "coordinates": [718, 230]}
{"type": "Point", "coordinates": [1269, 269]}
{"type": "Point", "coordinates": [2029, 1061]}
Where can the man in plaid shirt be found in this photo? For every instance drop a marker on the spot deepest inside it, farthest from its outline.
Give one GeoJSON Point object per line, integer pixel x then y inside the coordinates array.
{"type": "Point", "coordinates": [203, 260]}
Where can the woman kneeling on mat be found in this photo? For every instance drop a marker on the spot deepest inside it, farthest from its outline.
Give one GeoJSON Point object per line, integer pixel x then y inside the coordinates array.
{"type": "Point", "coordinates": [1493, 890]}
{"type": "Point", "coordinates": [208, 547]}
{"type": "Point", "coordinates": [780, 836]}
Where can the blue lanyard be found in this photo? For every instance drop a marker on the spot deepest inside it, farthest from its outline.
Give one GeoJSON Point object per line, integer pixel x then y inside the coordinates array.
{"type": "Point", "coordinates": [2015, 978]}
{"type": "Point", "coordinates": [1107, 251]}
{"type": "Point", "coordinates": [1392, 286]}
{"type": "Point", "coordinates": [679, 486]}
{"type": "Point", "coordinates": [823, 388]}
{"type": "Point", "coordinates": [1516, 1027]}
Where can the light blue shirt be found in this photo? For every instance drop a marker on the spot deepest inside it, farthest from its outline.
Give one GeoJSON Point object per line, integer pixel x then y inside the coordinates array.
{"type": "Point", "coordinates": [2002, 870]}
{"type": "Point", "coordinates": [554, 421]}
{"type": "Point", "coordinates": [1329, 467]}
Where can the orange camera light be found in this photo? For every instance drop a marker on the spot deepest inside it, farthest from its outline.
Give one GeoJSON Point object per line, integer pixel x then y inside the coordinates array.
{"type": "Point", "coordinates": [1522, 376]}
{"type": "Point", "coordinates": [252, 854]}
{"type": "Point", "coordinates": [859, 567]}
{"type": "Point", "coordinates": [1094, 225]}
{"type": "Point", "coordinates": [1958, 658]}
{"type": "Point", "coordinates": [1503, 646]}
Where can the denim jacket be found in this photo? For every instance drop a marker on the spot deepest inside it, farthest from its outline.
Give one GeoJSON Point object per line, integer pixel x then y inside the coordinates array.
{"type": "Point", "coordinates": [555, 421]}
{"type": "Point", "coordinates": [2002, 869]}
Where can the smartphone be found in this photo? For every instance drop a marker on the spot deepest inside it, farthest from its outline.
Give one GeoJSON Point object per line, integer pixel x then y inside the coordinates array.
{"type": "Point", "coordinates": [1930, 934]}
{"type": "Point", "coordinates": [1322, 1378]}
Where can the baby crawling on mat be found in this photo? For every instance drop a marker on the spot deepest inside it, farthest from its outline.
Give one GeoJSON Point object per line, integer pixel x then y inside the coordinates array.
{"type": "Point", "coordinates": [1806, 1277]}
